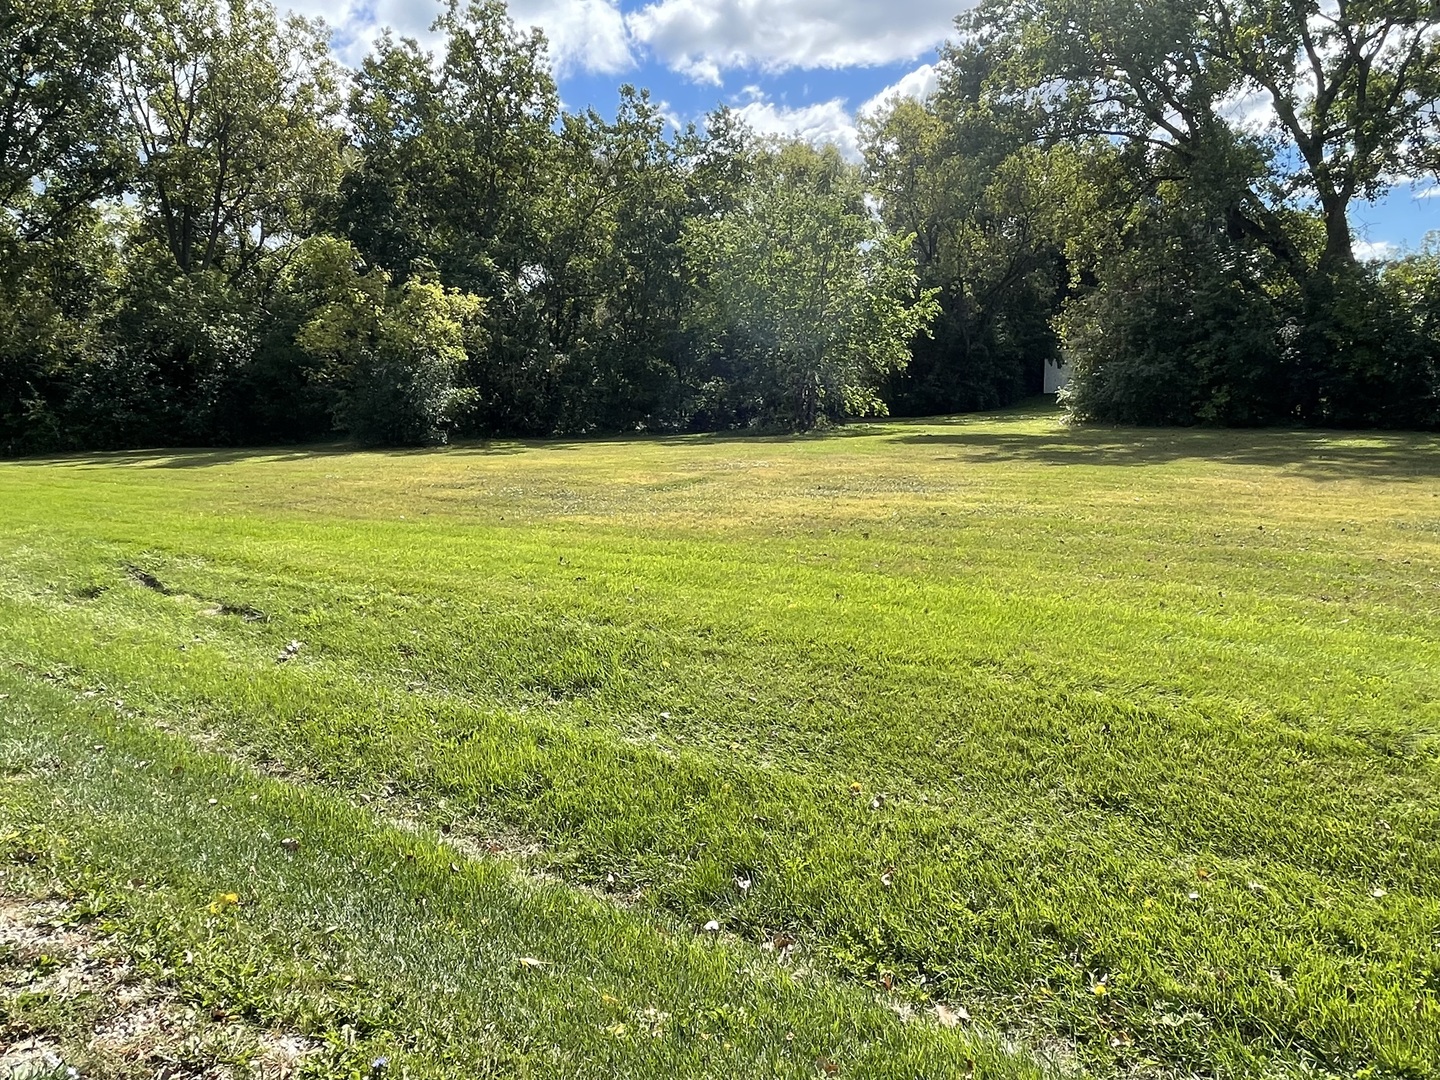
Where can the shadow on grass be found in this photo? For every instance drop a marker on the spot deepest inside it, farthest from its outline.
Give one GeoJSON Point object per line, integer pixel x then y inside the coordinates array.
{"type": "Point", "coordinates": [1334, 455]}
{"type": "Point", "coordinates": [1321, 454]}
{"type": "Point", "coordinates": [179, 458]}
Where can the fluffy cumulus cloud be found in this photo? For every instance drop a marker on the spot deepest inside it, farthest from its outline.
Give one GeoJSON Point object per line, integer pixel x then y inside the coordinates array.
{"type": "Point", "coordinates": [584, 35]}
{"type": "Point", "coordinates": [918, 85]}
{"type": "Point", "coordinates": [828, 122]}
{"type": "Point", "coordinates": [704, 38]}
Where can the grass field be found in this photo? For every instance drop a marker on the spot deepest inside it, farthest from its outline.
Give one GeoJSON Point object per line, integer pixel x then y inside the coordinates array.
{"type": "Point", "coordinates": [984, 747]}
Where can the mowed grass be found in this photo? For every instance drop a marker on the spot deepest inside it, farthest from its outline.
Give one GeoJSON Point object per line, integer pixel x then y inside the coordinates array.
{"type": "Point", "coordinates": [1123, 744]}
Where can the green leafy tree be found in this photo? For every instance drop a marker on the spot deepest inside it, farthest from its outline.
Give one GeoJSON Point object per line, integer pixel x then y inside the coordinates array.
{"type": "Point", "coordinates": [1264, 320]}
{"type": "Point", "coordinates": [234, 112]}
{"type": "Point", "coordinates": [979, 202]}
{"type": "Point", "coordinates": [609, 273]}
{"type": "Point", "coordinates": [55, 329]}
{"type": "Point", "coordinates": [808, 301]}
{"type": "Point", "coordinates": [454, 153]}
{"type": "Point", "coordinates": [1352, 89]}
{"type": "Point", "coordinates": [61, 142]}
{"type": "Point", "coordinates": [62, 148]}
{"type": "Point", "coordinates": [393, 352]}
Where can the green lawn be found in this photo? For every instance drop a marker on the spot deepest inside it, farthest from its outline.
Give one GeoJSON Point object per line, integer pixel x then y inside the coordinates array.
{"type": "Point", "coordinates": [1125, 745]}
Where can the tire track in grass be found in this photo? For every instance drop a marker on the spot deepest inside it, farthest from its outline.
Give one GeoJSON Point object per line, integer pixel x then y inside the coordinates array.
{"type": "Point", "coordinates": [289, 907]}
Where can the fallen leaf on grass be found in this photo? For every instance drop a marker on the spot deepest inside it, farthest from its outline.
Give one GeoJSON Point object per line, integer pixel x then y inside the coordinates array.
{"type": "Point", "coordinates": [711, 927]}
{"type": "Point", "coordinates": [532, 963]}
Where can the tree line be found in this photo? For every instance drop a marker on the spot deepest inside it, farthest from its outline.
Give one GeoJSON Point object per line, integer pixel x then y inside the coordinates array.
{"type": "Point", "coordinates": [213, 233]}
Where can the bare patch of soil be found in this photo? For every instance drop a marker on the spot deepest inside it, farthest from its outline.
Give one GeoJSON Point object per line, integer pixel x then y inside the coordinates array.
{"type": "Point", "coordinates": [72, 1007]}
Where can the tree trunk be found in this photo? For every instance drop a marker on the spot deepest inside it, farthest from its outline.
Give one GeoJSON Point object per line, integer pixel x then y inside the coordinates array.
{"type": "Point", "coordinates": [1339, 250]}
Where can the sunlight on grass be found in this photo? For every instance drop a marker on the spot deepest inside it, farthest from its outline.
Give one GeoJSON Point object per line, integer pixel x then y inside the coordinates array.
{"type": "Point", "coordinates": [1123, 742]}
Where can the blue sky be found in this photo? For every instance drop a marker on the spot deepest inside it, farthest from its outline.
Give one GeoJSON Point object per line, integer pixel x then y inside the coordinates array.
{"type": "Point", "coordinates": [802, 67]}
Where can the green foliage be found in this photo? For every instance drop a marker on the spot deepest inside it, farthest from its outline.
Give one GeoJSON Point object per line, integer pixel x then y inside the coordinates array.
{"type": "Point", "coordinates": [807, 301]}
{"type": "Point", "coordinates": [233, 112]}
{"type": "Point", "coordinates": [610, 273]}
{"type": "Point", "coordinates": [54, 318]}
{"type": "Point", "coordinates": [178, 342]}
{"type": "Point", "coordinates": [636, 278]}
{"type": "Point", "coordinates": [979, 208]}
{"type": "Point", "coordinates": [392, 351]}
{"type": "Point", "coordinates": [453, 155]}
{"type": "Point", "coordinates": [1212, 272]}
{"type": "Point", "coordinates": [61, 141]}
{"type": "Point", "coordinates": [1369, 352]}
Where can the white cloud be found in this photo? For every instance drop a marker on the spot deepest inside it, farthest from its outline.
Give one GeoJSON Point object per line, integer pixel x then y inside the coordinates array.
{"type": "Point", "coordinates": [703, 38]}
{"type": "Point", "coordinates": [584, 35]}
{"type": "Point", "coordinates": [918, 85]}
{"type": "Point", "coordinates": [1375, 250]}
{"type": "Point", "coordinates": [1252, 111]}
{"type": "Point", "coordinates": [827, 122]}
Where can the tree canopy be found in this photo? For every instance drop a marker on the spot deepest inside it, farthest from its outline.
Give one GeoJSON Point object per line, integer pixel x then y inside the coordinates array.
{"type": "Point", "coordinates": [212, 232]}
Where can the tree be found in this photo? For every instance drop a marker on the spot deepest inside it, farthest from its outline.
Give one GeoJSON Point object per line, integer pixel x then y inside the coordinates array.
{"type": "Point", "coordinates": [455, 158]}
{"type": "Point", "coordinates": [61, 150]}
{"type": "Point", "coordinates": [1178, 323]}
{"type": "Point", "coordinates": [455, 154]}
{"type": "Point", "coordinates": [234, 113]}
{"type": "Point", "coordinates": [393, 352]}
{"type": "Point", "coordinates": [609, 272]}
{"type": "Point", "coordinates": [1353, 87]}
{"type": "Point", "coordinates": [1263, 319]}
{"type": "Point", "coordinates": [61, 146]}
{"type": "Point", "coordinates": [807, 300]}
{"type": "Point", "coordinates": [979, 201]}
